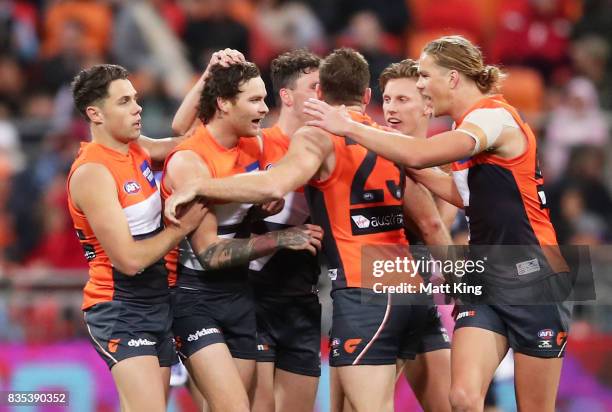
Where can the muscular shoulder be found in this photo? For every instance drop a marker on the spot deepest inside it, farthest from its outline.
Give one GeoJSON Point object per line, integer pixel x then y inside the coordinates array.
{"type": "Point", "coordinates": [314, 136]}
{"type": "Point", "coordinates": [88, 176]}
{"type": "Point", "coordinates": [183, 166]}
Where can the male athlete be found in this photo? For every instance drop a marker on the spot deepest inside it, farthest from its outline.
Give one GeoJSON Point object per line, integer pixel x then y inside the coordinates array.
{"type": "Point", "coordinates": [287, 308]}
{"type": "Point", "coordinates": [346, 183]}
{"type": "Point", "coordinates": [406, 111]}
{"type": "Point", "coordinates": [116, 209]}
{"type": "Point", "coordinates": [214, 319]}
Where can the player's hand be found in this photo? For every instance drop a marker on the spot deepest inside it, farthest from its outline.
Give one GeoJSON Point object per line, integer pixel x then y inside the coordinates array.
{"type": "Point", "coordinates": [179, 198]}
{"type": "Point", "coordinates": [304, 237]}
{"type": "Point", "coordinates": [272, 207]}
{"type": "Point", "coordinates": [225, 58]}
{"type": "Point", "coordinates": [335, 120]}
{"type": "Point", "coordinates": [190, 215]}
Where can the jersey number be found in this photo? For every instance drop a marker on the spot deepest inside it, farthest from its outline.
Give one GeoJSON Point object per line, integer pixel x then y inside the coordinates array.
{"type": "Point", "coordinates": [359, 194]}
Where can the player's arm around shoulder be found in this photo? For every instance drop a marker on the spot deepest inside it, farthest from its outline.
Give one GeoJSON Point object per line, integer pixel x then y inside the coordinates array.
{"type": "Point", "coordinates": [94, 192]}
{"type": "Point", "coordinates": [308, 150]}
{"type": "Point", "coordinates": [159, 149]}
{"type": "Point", "coordinates": [311, 148]}
{"type": "Point", "coordinates": [184, 166]}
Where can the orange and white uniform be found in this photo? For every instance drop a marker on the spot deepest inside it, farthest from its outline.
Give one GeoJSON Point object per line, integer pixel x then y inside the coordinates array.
{"type": "Point", "coordinates": [138, 196]}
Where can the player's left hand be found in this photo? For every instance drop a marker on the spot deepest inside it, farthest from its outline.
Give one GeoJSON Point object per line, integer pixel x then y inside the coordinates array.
{"type": "Point", "coordinates": [177, 199]}
{"type": "Point", "coordinates": [272, 207]}
{"type": "Point", "coordinates": [225, 58]}
{"type": "Point", "coordinates": [335, 120]}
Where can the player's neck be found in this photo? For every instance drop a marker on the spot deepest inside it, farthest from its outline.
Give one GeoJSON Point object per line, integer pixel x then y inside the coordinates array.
{"type": "Point", "coordinates": [420, 130]}
{"type": "Point", "coordinates": [288, 122]}
{"type": "Point", "coordinates": [463, 100]}
{"type": "Point", "coordinates": [360, 108]}
{"type": "Point", "coordinates": [101, 136]}
{"type": "Point", "coordinates": [223, 132]}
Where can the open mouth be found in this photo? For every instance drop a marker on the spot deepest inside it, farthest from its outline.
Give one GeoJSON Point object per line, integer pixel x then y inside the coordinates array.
{"type": "Point", "coordinates": [392, 121]}
{"type": "Point", "coordinates": [256, 122]}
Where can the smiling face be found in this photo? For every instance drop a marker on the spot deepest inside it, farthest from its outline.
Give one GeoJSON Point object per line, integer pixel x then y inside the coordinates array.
{"type": "Point", "coordinates": [403, 106]}
{"type": "Point", "coordinates": [248, 109]}
{"type": "Point", "coordinates": [119, 113]}
{"type": "Point", "coordinates": [434, 84]}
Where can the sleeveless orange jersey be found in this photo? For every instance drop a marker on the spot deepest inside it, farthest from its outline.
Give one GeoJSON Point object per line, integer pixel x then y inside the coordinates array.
{"type": "Point", "coordinates": [221, 162]}
{"type": "Point", "coordinates": [275, 146]}
{"type": "Point", "coordinates": [504, 199]}
{"type": "Point", "coordinates": [286, 272]}
{"type": "Point", "coordinates": [359, 204]}
{"type": "Point", "coordinates": [138, 196]}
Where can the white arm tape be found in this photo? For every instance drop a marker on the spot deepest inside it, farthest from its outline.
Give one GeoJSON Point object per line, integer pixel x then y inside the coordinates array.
{"type": "Point", "coordinates": [476, 140]}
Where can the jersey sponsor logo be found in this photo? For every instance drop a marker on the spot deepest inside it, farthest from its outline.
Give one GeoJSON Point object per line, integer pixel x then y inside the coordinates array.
{"type": "Point", "coordinates": [350, 345]}
{"type": "Point", "coordinates": [140, 342]}
{"type": "Point", "coordinates": [202, 332]}
{"type": "Point", "coordinates": [546, 334]}
{"type": "Point", "coordinates": [131, 187]}
{"type": "Point", "coordinates": [263, 347]}
{"type": "Point", "coordinates": [561, 338]}
{"type": "Point", "coordinates": [145, 168]}
{"type": "Point", "coordinates": [113, 344]}
{"type": "Point", "coordinates": [466, 314]}
{"type": "Point", "coordinates": [376, 219]}
{"type": "Point", "coordinates": [527, 267]}
{"type": "Point", "coordinates": [361, 221]}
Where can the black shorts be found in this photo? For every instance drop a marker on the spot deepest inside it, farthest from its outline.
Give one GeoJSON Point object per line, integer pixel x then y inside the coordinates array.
{"type": "Point", "coordinates": [379, 332]}
{"type": "Point", "coordinates": [289, 333]}
{"type": "Point", "coordinates": [120, 330]}
{"type": "Point", "coordinates": [205, 317]}
{"type": "Point", "coordinates": [534, 330]}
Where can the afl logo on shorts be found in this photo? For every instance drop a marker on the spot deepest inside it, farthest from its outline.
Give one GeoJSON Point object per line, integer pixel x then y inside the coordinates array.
{"type": "Point", "coordinates": [269, 166]}
{"type": "Point", "coordinates": [546, 334]}
{"type": "Point", "coordinates": [131, 187]}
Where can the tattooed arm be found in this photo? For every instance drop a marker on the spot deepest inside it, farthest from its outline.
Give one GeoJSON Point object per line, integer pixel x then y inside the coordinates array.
{"type": "Point", "coordinates": [226, 253]}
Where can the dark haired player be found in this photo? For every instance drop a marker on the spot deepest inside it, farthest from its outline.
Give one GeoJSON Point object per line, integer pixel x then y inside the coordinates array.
{"type": "Point", "coordinates": [214, 317]}
{"type": "Point", "coordinates": [116, 210]}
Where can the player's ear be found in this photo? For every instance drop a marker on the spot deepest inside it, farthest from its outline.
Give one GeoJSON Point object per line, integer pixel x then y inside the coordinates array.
{"type": "Point", "coordinates": [286, 97]}
{"type": "Point", "coordinates": [367, 96]}
{"type": "Point", "coordinates": [223, 104]}
{"type": "Point", "coordinates": [453, 78]}
{"type": "Point", "coordinates": [318, 91]}
{"type": "Point", "coordinates": [94, 113]}
{"type": "Point", "coordinates": [428, 110]}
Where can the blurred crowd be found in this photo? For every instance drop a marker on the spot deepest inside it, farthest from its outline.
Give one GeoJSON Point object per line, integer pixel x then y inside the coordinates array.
{"type": "Point", "coordinates": [556, 54]}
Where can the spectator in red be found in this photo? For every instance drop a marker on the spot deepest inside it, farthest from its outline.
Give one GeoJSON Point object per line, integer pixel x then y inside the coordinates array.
{"type": "Point", "coordinates": [533, 33]}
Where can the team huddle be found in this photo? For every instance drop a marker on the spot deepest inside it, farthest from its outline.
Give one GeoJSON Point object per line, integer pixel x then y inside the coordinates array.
{"type": "Point", "coordinates": [217, 264]}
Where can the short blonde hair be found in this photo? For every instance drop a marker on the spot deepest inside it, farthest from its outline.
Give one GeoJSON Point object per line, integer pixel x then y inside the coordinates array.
{"type": "Point", "coordinates": [406, 69]}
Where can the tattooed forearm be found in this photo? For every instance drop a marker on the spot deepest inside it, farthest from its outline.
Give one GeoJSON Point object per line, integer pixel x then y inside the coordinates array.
{"type": "Point", "coordinates": [237, 252]}
{"type": "Point", "coordinates": [228, 253]}
{"type": "Point", "coordinates": [292, 238]}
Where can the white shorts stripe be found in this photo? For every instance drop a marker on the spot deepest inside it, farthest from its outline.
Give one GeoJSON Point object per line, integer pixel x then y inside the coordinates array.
{"type": "Point", "coordinates": [96, 341]}
{"type": "Point", "coordinates": [380, 328]}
